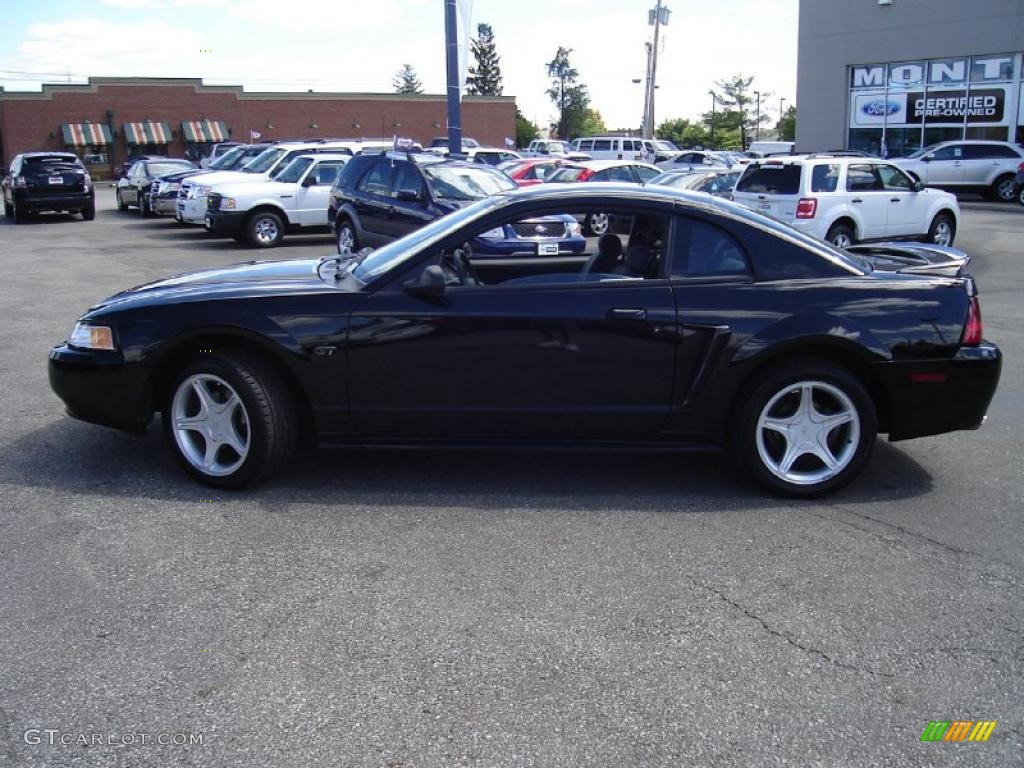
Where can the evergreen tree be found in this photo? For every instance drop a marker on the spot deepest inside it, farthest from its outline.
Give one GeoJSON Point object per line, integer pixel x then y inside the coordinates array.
{"type": "Point", "coordinates": [738, 101]}
{"type": "Point", "coordinates": [405, 80]}
{"type": "Point", "coordinates": [484, 78]}
{"type": "Point", "coordinates": [787, 125]}
{"type": "Point", "coordinates": [570, 96]}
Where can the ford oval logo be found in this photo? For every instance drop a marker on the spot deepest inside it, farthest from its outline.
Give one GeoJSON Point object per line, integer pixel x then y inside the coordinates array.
{"type": "Point", "coordinates": [880, 108]}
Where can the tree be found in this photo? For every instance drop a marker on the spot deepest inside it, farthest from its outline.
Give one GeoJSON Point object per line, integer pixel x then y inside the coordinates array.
{"type": "Point", "coordinates": [684, 133]}
{"type": "Point", "coordinates": [592, 124]}
{"type": "Point", "coordinates": [526, 131]}
{"type": "Point", "coordinates": [738, 102]}
{"type": "Point", "coordinates": [787, 125]}
{"type": "Point", "coordinates": [484, 79]}
{"type": "Point", "coordinates": [571, 97]}
{"type": "Point", "coordinates": [405, 80]}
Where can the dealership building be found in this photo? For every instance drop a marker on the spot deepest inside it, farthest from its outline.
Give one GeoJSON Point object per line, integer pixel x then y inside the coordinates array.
{"type": "Point", "coordinates": [109, 119]}
{"type": "Point", "coordinates": [892, 76]}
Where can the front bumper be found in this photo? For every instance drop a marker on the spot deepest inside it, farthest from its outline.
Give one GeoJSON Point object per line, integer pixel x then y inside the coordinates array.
{"type": "Point", "coordinates": [54, 201]}
{"type": "Point", "coordinates": [931, 397]}
{"type": "Point", "coordinates": [164, 206]}
{"type": "Point", "coordinates": [527, 247]}
{"type": "Point", "coordinates": [225, 222]}
{"type": "Point", "coordinates": [192, 210]}
{"type": "Point", "coordinates": [99, 387]}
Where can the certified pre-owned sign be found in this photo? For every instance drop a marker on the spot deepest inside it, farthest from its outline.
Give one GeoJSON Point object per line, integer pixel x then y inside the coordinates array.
{"type": "Point", "coordinates": [978, 106]}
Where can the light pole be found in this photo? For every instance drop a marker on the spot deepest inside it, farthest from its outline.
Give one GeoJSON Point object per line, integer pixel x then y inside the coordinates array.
{"type": "Point", "coordinates": [713, 100]}
{"type": "Point", "coordinates": [757, 119]}
{"type": "Point", "coordinates": [781, 115]}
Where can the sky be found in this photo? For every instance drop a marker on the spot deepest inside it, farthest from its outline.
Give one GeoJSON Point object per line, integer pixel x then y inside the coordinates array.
{"type": "Point", "coordinates": [359, 45]}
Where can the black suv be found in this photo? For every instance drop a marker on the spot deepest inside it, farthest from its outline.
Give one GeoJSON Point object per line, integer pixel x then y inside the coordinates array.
{"type": "Point", "coordinates": [379, 198]}
{"type": "Point", "coordinates": [48, 181]}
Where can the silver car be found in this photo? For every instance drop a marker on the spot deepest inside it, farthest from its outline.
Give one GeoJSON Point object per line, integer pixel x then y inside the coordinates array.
{"type": "Point", "coordinates": [988, 167]}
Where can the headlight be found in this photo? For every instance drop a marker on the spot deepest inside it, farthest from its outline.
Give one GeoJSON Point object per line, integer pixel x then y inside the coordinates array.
{"type": "Point", "coordinates": [498, 233]}
{"type": "Point", "coordinates": [203, 191]}
{"type": "Point", "coordinates": [92, 337]}
{"type": "Point", "coordinates": [574, 229]}
{"type": "Point", "coordinates": [227, 202]}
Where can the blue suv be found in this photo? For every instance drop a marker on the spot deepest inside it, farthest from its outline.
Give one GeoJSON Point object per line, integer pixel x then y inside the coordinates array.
{"type": "Point", "coordinates": [379, 198]}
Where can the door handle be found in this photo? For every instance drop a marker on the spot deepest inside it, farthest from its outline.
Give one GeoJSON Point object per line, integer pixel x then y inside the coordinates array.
{"type": "Point", "coordinates": [627, 313]}
{"type": "Point", "coordinates": [857, 200]}
{"type": "Point", "coordinates": [894, 199]}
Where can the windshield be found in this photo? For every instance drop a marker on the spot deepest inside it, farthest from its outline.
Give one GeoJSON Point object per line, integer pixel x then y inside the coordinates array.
{"type": "Point", "coordinates": [666, 145]}
{"type": "Point", "coordinates": [52, 160]}
{"type": "Point", "coordinates": [558, 146]}
{"type": "Point", "coordinates": [566, 173]}
{"type": "Point", "coordinates": [159, 169]}
{"type": "Point", "coordinates": [263, 161]}
{"type": "Point", "coordinates": [227, 159]}
{"type": "Point", "coordinates": [466, 183]}
{"type": "Point", "coordinates": [293, 171]}
{"type": "Point", "coordinates": [923, 152]}
{"type": "Point", "coordinates": [394, 253]}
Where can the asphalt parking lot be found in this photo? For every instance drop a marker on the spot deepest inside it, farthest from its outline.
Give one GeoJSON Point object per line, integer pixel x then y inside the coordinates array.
{"type": "Point", "coordinates": [411, 609]}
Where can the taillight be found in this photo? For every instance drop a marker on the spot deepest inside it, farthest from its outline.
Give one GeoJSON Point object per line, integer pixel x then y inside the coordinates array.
{"type": "Point", "coordinates": [1020, 167]}
{"type": "Point", "coordinates": [973, 330]}
{"type": "Point", "coordinates": [806, 207]}
{"type": "Point", "coordinates": [585, 174]}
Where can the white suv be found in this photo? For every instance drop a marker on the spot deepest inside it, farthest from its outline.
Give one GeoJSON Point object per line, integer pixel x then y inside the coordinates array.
{"type": "Point", "coordinates": [846, 200]}
{"type": "Point", "coordinates": [968, 166]}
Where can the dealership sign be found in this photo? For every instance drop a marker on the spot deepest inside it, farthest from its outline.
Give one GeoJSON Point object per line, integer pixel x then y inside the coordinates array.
{"type": "Point", "coordinates": [932, 73]}
{"type": "Point", "coordinates": [981, 105]}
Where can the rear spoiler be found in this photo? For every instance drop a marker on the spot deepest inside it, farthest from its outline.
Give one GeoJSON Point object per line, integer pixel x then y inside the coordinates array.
{"type": "Point", "coordinates": [914, 258]}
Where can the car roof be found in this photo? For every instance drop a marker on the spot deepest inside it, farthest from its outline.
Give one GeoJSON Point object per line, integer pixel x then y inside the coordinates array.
{"type": "Point", "coordinates": [598, 165]}
{"type": "Point", "coordinates": [324, 156]}
{"type": "Point", "coordinates": [57, 153]}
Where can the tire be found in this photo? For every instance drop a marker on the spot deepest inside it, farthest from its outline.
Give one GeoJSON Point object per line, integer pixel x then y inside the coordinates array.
{"type": "Point", "coordinates": [1020, 194]}
{"type": "Point", "coordinates": [841, 236]}
{"type": "Point", "coordinates": [1003, 189]}
{"type": "Point", "coordinates": [597, 224]}
{"type": "Point", "coordinates": [142, 205]}
{"type": "Point", "coordinates": [245, 443]}
{"type": "Point", "coordinates": [793, 463]}
{"type": "Point", "coordinates": [121, 204]}
{"type": "Point", "coordinates": [347, 237]}
{"type": "Point", "coordinates": [8, 211]}
{"type": "Point", "coordinates": [17, 214]}
{"type": "Point", "coordinates": [265, 229]}
{"type": "Point", "coordinates": [89, 212]}
{"type": "Point", "coordinates": [943, 230]}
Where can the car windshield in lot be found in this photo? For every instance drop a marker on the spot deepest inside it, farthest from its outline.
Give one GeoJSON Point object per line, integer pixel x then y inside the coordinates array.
{"type": "Point", "coordinates": [294, 170]}
{"type": "Point", "coordinates": [228, 158]}
{"type": "Point", "coordinates": [465, 183]}
{"type": "Point", "coordinates": [171, 166]}
{"type": "Point", "coordinates": [47, 160]}
{"type": "Point", "coordinates": [771, 179]}
{"type": "Point", "coordinates": [667, 145]}
{"type": "Point", "coordinates": [262, 162]}
{"type": "Point", "coordinates": [568, 173]}
{"type": "Point", "coordinates": [394, 253]}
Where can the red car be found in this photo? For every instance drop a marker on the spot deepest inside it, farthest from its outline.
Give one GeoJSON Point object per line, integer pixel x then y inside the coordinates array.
{"type": "Point", "coordinates": [531, 171]}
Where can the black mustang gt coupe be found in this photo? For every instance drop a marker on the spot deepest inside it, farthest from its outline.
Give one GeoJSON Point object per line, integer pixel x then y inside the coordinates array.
{"type": "Point", "coordinates": [702, 324]}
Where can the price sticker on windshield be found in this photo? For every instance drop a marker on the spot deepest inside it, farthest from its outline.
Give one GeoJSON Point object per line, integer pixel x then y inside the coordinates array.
{"type": "Point", "coordinates": [547, 249]}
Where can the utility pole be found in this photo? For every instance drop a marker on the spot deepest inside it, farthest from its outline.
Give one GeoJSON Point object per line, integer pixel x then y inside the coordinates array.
{"type": "Point", "coordinates": [782, 114]}
{"type": "Point", "coordinates": [657, 17]}
{"type": "Point", "coordinates": [648, 97]}
{"type": "Point", "coordinates": [451, 37]}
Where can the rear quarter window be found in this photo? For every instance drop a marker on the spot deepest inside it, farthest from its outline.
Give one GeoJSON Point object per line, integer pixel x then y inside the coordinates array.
{"type": "Point", "coordinates": [771, 179]}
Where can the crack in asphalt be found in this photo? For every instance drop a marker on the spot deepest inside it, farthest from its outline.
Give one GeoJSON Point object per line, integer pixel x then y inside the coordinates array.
{"type": "Point", "coordinates": [785, 635]}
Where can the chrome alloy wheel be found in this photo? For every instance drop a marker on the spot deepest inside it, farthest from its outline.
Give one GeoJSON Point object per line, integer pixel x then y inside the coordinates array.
{"type": "Point", "coordinates": [1006, 189]}
{"type": "Point", "coordinates": [210, 424]}
{"type": "Point", "coordinates": [943, 234]}
{"type": "Point", "coordinates": [842, 240]}
{"type": "Point", "coordinates": [808, 433]}
{"type": "Point", "coordinates": [346, 240]}
{"type": "Point", "coordinates": [599, 223]}
{"type": "Point", "coordinates": [266, 230]}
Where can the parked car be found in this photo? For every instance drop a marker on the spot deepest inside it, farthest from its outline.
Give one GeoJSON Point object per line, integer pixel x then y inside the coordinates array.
{"type": "Point", "coordinates": [709, 326]}
{"type": "Point", "coordinates": [1018, 185]}
{"type": "Point", "coordinates": [690, 159]}
{"type": "Point", "coordinates": [547, 148]}
{"type": "Point", "coordinates": [531, 170]}
{"type": "Point", "coordinates": [846, 200]}
{"type": "Point", "coordinates": [162, 197]}
{"type": "Point", "coordinates": [217, 151]}
{"type": "Point", "coordinates": [377, 199]}
{"type": "Point", "coordinates": [483, 155]}
{"type": "Point", "coordinates": [599, 223]}
{"type": "Point", "coordinates": [261, 212]}
{"type": "Point", "coordinates": [48, 181]}
{"type": "Point", "coordinates": [763, 148]}
{"type": "Point", "coordinates": [615, 148]}
{"type": "Point", "coordinates": [664, 150]}
{"type": "Point", "coordinates": [714, 181]}
{"type": "Point", "coordinates": [133, 189]}
{"type": "Point", "coordinates": [122, 170]}
{"type": "Point", "coordinates": [988, 167]}
{"type": "Point", "coordinates": [442, 141]}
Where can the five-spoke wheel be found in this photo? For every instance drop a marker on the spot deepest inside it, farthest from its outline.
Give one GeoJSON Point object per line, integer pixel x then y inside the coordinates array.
{"type": "Point", "coordinates": [211, 425]}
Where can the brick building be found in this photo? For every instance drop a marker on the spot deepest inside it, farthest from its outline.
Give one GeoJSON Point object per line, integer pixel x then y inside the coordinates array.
{"type": "Point", "coordinates": [110, 118]}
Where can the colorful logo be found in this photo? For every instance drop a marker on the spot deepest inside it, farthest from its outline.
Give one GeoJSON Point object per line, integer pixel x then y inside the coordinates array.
{"type": "Point", "coordinates": [958, 730]}
{"type": "Point", "coordinates": [881, 108]}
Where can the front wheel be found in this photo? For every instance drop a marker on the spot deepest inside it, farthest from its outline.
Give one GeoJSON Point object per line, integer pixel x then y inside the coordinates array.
{"type": "Point", "coordinates": [943, 230]}
{"type": "Point", "coordinates": [1004, 189]}
{"type": "Point", "coordinates": [597, 224]}
{"type": "Point", "coordinates": [265, 229]}
{"type": "Point", "coordinates": [841, 236]}
{"type": "Point", "coordinates": [121, 204]}
{"type": "Point", "coordinates": [230, 420]}
{"type": "Point", "coordinates": [805, 429]}
{"type": "Point", "coordinates": [89, 212]}
{"type": "Point", "coordinates": [1020, 194]}
{"type": "Point", "coordinates": [347, 241]}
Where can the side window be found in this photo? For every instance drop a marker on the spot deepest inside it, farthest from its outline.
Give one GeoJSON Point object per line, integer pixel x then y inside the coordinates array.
{"type": "Point", "coordinates": [989, 152]}
{"type": "Point", "coordinates": [602, 145]}
{"type": "Point", "coordinates": [825, 178]}
{"type": "Point", "coordinates": [407, 179]}
{"type": "Point", "coordinates": [952, 152]}
{"type": "Point", "coordinates": [604, 175]}
{"type": "Point", "coordinates": [326, 173]}
{"type": "Point", "coordinates": [646, 174]}
{"type": "Point", "coordinates": [893, 178]}
{"type": "Point", "coordinates": [584, 145]}
{"type": "Point", "coordinates": [862, 178]}
{"type": "Point", "coordinates": [377, 180]}
{"type": "Point", "coordinates": [705, 250]}
{"type": "Point", "coordinates": [620, 173]}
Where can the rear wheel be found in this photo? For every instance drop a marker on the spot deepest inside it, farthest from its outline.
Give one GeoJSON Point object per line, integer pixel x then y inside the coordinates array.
{"type": "Point", "coordinates": [804, 429]}
{"type": "Point", "coordinates": [17, 214]}
{"type": "Point", "coordinates": [265, 229]}
{"type": "Point", "coordinates": [841, 236]}
{"type": "Point", "coordinates": [943, 230]}
{"type": "Point", "coordinates": [1020, 194]}
{"type": "Point", "coordinates": [8, 210]}
{"type": "Point", "coordinates": [598, 224]}
{"type": "Point", "coordinates": [230, 420]}
{"type": "Point", "coordinates": [89, 212]}
{"type": "Point", "coordinates": [121, 204]}
{"type": "Point", "coordinates": [348, 242]}
{"type": "Point", "coordinates": [1004, 189]}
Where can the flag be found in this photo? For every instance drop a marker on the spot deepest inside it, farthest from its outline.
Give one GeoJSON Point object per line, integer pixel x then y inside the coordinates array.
{"type": "Point", "coordinates": [254, 135]}
{"type": "Point", "coordinates": [510, 143]}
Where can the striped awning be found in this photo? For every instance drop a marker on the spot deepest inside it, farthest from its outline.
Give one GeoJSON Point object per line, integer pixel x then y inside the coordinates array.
{"type": "Point", "coordinates": [85, 134]}
{"type": "Point", "coordinates": [147, 133]}
{"type": "Point", "coordinates": [204, 130]}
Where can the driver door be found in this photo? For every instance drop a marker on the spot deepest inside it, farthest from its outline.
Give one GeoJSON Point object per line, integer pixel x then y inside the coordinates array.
{"type": "Point", "coordinates": [313, 193]}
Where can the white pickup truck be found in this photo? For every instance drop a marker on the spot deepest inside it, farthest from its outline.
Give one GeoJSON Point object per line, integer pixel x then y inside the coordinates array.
{"type": "Point", "coordinates": [261, 212]}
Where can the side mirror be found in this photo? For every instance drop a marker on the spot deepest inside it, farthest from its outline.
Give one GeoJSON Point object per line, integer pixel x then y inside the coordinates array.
{"type": "Point", "coordinates": [927, 158]}
{"type": "Point", "coordinates": [310, 180]}
{"type": "Point", "coordinates": [408, 195]}
{"type": "Point", "coordinates": [431, 283]}
{"type": "Point", "coordinates": [919, 186]}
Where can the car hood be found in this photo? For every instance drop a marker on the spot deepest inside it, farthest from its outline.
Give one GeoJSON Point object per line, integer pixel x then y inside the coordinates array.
{"type": "Point", "coordinates": [257, 187]}
{"type": "Point", "coordinates": [230, 177]}
{"type": "Point", "coordinates": [251, 279]}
